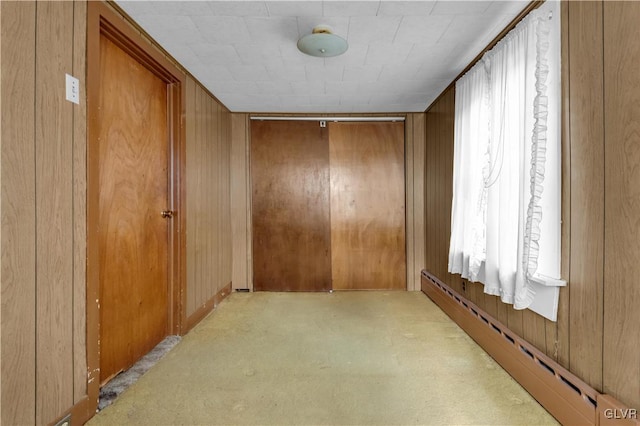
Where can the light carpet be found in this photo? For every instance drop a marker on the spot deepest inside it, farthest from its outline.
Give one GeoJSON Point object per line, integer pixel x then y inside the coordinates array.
{"type": "Point", "coordinates": [111, 390]}
{"type": "Point", "coordinates": [357, 358]}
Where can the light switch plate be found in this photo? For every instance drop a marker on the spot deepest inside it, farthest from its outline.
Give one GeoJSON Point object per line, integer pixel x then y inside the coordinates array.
{"type": "Point", "coordinates": [73, 89]}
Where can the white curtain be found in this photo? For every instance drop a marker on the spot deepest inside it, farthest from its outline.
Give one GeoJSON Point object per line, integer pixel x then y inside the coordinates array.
{"type": "Point", "coordinates": [500, 159]}
{"type": "Point", "coordinates": [467, 251]}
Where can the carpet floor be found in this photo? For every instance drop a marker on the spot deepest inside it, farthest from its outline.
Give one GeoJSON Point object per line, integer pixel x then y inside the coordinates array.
{"type": "Point", "coordinates": [112, 390]}
{"type": "Point", "coordinates": [357, 358]}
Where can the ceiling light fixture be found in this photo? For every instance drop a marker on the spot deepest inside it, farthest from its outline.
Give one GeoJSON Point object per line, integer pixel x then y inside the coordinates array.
{"type": "Point", "coordinates": [323, 43]}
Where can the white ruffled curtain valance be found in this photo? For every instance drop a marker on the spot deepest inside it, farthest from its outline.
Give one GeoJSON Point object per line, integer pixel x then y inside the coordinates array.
{"type": "Point", "coordinates": [503, 209]}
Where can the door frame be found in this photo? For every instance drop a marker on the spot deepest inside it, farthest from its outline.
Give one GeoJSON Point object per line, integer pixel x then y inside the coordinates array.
{"type": "Point", "coordinates": [103, 19]}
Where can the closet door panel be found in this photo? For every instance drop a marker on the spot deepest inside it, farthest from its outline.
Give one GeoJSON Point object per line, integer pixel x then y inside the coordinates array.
{"type": "Point", "coordinates": [290, 206]}
{"type": "Point", "coordinates": [367, 205]}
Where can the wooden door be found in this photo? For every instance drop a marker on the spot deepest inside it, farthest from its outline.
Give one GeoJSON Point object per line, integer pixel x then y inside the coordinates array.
{"type": "Point", "coordinates": [290, 206]}
{"type": "Point", "coordinates": [367, 205]}
{"type": "Point", "coordinates": [133, 190]}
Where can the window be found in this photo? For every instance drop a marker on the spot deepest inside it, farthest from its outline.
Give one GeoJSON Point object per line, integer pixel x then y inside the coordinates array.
{"type": "Point", "coordinates": [505, 220]}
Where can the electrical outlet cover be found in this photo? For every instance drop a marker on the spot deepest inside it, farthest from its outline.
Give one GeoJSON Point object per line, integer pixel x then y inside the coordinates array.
{"type": "Point", "coordinates": [73, 89]}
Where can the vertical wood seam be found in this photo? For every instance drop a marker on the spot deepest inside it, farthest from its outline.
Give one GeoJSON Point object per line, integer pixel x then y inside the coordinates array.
{"type": "Point", "coordinates": [73, 213]}
{"type": "Point", "coordinates": [248, 217]}
{"type": "Point", "coordinates": [567, 173]}
{"type": "Point", "coordinates": [35, 216]}
{"type": "Point", "coordinates": [409, 201]}
{"type": "Point", "coordinates": [564, 315]}
{"type": "Point", "coordinates": [411, 285]}
{"type": "Point", "coordinates": [604, 186]}
{"type": "Point", "coordinates": [79, 203]}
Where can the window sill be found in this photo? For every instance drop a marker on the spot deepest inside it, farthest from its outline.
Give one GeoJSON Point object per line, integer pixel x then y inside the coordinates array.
{"type": "Point", "coordinates": [548, 281]}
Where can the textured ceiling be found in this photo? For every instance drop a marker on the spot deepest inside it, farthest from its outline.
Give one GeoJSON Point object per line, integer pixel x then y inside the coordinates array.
{"type": "Point", "coordinates": [401, 54]}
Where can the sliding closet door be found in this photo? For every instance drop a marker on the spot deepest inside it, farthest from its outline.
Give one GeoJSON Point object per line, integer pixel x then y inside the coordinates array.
{"type": "Point", "coordinates": [290, 206]}
{"type": "Point", "coordinates": [367, 205]}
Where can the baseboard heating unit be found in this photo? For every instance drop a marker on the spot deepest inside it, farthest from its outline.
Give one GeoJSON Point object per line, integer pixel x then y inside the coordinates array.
{"type": "Point", "coordinates": [570, 400]}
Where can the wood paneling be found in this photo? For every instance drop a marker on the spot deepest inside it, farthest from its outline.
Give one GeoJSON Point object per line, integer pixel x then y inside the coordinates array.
{"type": "Point", "coordinates": [584, 58]}
{"type": "Point", "coordinates": [18, 213]}
{"type": "Point", "coordinates": [559, 332]}
{"type": "Point", "coordinates": [290, 202]}
{"type": "Point", "coordinates": [596, 336]}
{"type": "Point", "coordinates": [415, 180]}
{"type": "Point", "coordinates": [621, 358]}
{"type": "Point", "coordinates": [192, 178]}
{"type": "Point", "coordinates": [133, 190]}
{"type": "Point", "coordinates": [43, 180]}
{"type": "Point", "coordinates": [438, 187]}
{"type": "Point", "coordinates": [409, 211]}
{"type": "Point", "coordinates": [213, 219]}
{"type": "Point", "coordinates": [534, 329]}
{"type": "Point", "coordinates": [54, 211]}
{"type": "Point", "coordinates": [367, 199]}
{"type": "Point", "coordinates": [240, 202]}
{"type": "Point", "coordinates": [43, 205]}
{"type": "Point", "coordinates": [225, 182]}
{"type": "Point", "coordinates": [208, 230]}
{"type": "Point", "coordinates": [80, 207]}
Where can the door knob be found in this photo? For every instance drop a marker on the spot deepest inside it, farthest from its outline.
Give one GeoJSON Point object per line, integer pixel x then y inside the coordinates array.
{"type": "Point", "coordinates": [167, 213]}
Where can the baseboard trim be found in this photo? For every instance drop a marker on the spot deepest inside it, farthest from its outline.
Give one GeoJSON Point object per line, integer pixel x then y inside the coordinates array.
{"type": "Point", "coordinates": [81, 412]}
{"type": "Point", "coordinates": [205, 309]}
{"type": "Point", "coordinates": [565, 396]}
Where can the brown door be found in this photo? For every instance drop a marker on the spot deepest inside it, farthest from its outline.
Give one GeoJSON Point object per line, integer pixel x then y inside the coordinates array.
{"type": "Point", "coordinates": [133, 190]}
{"type": "Point", "coordinates": [290, 204]}
{"type": "Point", "coordinates": [367, 205]}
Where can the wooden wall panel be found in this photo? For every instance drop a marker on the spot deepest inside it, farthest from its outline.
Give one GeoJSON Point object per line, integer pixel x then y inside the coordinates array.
{"type": "Point", "coordinates": [409, 214]}
{"type": "Point", "coordinates": [193, 156]}
{"type": "Point", "coordinates": [586, 129]}
{"type": "Point", "coordinates": [415, 135]}
{"type": "Point", "coordinates": [534, 329]}
{"type": "Point", "coordinates": [213, 206]}
{"type": "Point", "coordinates": [79, 207]}
{"type": "Point", "coordinates": [438, 187]}
{"type": "Point", "coordinates": [43, 211]}
{"type": "Point", "coordinates": [621, 358]}
{"type": "Point", "coordinates": [559, 332]}
{"type": "Point", "coordinates": [54, 211]}
{"type": "Point", "coordinates": [515, 320]}
{"type": "Point", "coordinates": [240, 202]}
{"type": "Point", "coordinates": [208, 201]}
{"type": "Point", "coordinates": [225, 184]}
{"type": "Point", "coordinates": [43, 178]}
{"type": "Point", "coordinates": [490, 304]}
{"type": "Point", "coordinates": [18, 214]}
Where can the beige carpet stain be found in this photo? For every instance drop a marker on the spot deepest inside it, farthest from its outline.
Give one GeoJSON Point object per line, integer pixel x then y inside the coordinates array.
{"type": "Point", "coordinates": [343, 358]}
